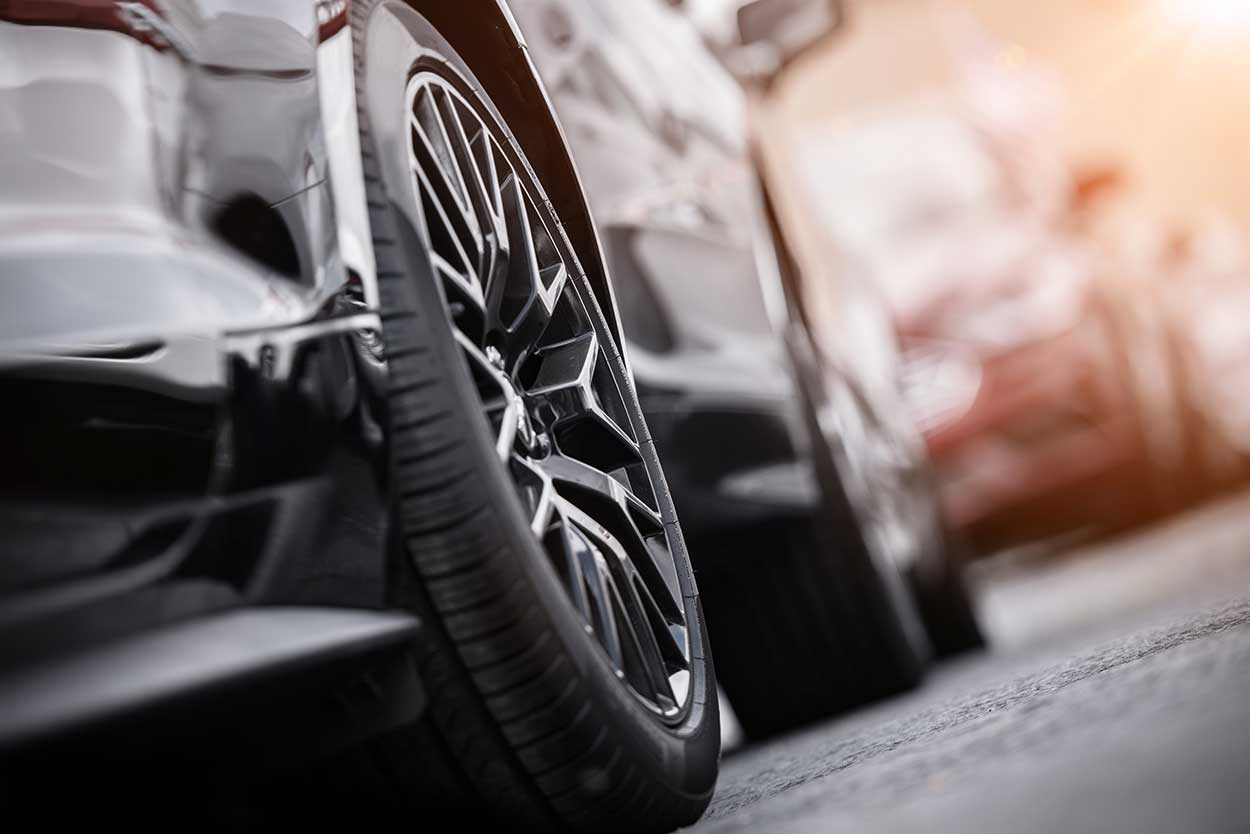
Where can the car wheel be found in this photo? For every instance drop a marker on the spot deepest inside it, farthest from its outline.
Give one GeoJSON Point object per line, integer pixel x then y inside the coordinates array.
{"type": "Point", "coordinates": [943, 598]}
{"type": "Point", "coordinates": [819, 622]}
{"type": "Point", "coordinates": [564, 651]}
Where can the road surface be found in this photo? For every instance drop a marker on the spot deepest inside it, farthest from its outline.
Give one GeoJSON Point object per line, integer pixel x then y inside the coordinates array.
{"type": "Point", "coordinates": [1117, 699]}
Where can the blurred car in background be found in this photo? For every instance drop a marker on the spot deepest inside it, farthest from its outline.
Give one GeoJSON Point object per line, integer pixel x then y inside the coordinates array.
{"type": "Point", "coordinates": [802, 484]}
{"type": "Point", "coordinates": [1040, 382]}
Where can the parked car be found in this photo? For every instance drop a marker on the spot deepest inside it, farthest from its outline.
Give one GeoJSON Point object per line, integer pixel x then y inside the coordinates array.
{"type": "Point", "coordinates": [1036, 368]}
{"type": "Point", "coordinates": [318, 431]}
{"type": "Point", "coordinates": [802, 486]}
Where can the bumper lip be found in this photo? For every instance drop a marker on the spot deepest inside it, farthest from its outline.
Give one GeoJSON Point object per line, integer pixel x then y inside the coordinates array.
{"type": "Point", "coordinates": [199, 658]}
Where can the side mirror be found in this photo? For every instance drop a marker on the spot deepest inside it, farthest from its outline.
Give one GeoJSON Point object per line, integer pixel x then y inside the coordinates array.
{"type": "Point", "coordinates": [773, 33]}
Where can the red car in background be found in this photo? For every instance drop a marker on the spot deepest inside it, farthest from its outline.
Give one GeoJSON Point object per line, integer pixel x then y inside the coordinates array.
{"type": "Point", "coordinates": [1037, 378]}
{"type": "Point", "coordinates": [1051, 439]}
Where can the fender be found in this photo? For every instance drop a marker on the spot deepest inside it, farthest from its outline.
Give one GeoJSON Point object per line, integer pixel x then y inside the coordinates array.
{"type": "Point", "coordinates": [487, 37]}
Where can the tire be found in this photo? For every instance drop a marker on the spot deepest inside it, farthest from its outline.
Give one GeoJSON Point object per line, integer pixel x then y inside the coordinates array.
{"type": "Point", "coordinates": [944, 601]}
{"type": "Point", "coordinates": [813, 637]}
{"type": "Point", "coordinates": [530, 716]}
{"type": "Point", "coordinates": [817, 625]}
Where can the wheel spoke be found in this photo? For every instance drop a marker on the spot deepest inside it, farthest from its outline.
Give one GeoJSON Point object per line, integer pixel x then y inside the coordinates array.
{"type": "Point", "coordinates": [446, 236]}
{"type": "Point", "coordinates": [592, 587]}
{"type": "Point", "coordinates": [476, 168]}
{"type": "Point", "coordinates": [642, 663]}
{"type": "Point", "coordinates": [469, 289]}
{"type": "Point", "coordinates": [639, 632]}
{"type": "Point", "coordinates": [668, 644]}
{"type": "Point", "coordinates": [435, 150]}
{"type": "Point", "coordinates": [622, 515]}
{"type": "Point", "coordinates": [539, 492]}
{"type": "Point", "coordinates": [511, 293]}
{"type": "Point", "coordinates": [523, 296]}
{"type": "Point", "coordinates": [566, 389]}
{"type": "Point", "coordinates": [505, 407]}
{"type": "Point", "coordinates": [490, 167]}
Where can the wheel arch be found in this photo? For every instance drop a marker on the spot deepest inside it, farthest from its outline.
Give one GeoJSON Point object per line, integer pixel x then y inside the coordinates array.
{"type": "Point", "coordinates": [487, 37]}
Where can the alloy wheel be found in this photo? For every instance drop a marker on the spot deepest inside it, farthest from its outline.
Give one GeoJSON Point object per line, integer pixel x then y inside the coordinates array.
{"type": "Point", "coordinates": [550, 391]}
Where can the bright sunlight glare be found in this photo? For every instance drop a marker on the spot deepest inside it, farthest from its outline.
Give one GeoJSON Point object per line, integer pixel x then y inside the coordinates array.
{"type": "Point", "coordinates": [1215, 16]}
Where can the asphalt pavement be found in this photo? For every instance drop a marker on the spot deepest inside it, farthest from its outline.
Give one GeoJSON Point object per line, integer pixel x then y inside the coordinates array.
{"type": "Point", "coordinates": [1116, 699]}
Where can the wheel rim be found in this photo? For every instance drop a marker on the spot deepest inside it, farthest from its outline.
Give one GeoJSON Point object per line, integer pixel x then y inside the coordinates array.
{"type": "Point", "coordinates": [550, 393]}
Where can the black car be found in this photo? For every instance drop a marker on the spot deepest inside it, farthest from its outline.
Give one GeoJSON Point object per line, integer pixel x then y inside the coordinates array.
{"type": "Point", "coordinates": [804, 489]}
{"type": "Point", "coordinates": [317, 431]}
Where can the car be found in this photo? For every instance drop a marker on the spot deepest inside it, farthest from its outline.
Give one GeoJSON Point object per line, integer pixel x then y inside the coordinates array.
{"type": "Point", "coordinates": [319, 435]}
{"type": "Point", "coordinates": [803, 487]}
{"type": "Point", "coordinates": [1034, 363]}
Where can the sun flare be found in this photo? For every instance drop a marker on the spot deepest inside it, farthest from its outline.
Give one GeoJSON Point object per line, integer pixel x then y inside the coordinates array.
{"type": "Point", "coordinates": [1216, 16]}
